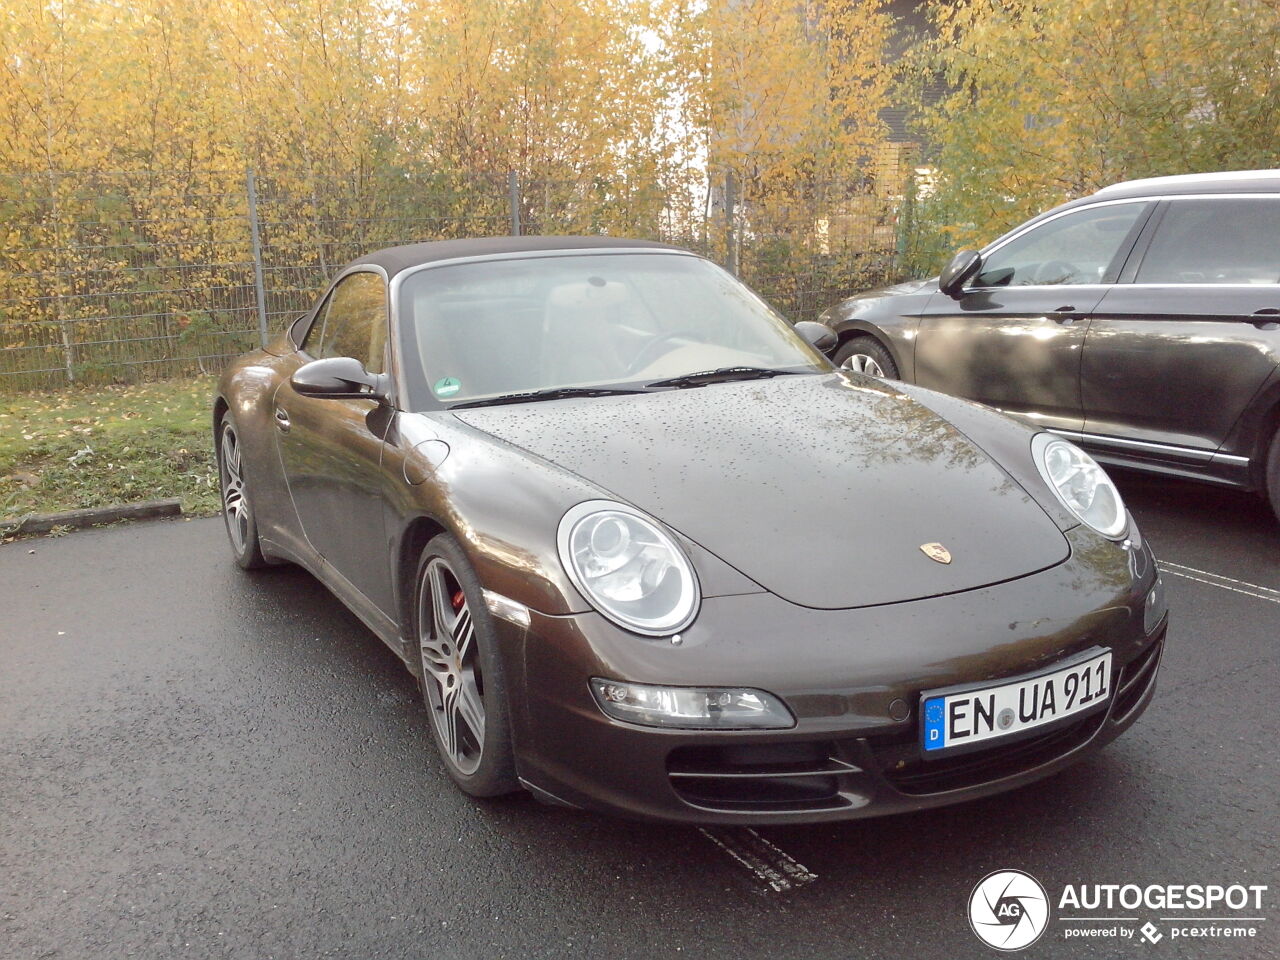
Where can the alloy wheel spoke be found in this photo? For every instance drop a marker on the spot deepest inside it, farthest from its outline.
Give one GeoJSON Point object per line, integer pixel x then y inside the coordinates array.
{"type": "Point", "coordinates": [231, 455]}
{"type": "Point", "coordinates": [469, 708]}
{"type": "Point", "coordinates": [234, 502]}
{"type": "Point", "coordinates": [434, 661]}
{"type": "Point", "coordinates": [464, 631]}
{"type": "Point", "coordinates": [861, 363]}
{"type": "Point", "coordinates": [449, 723]}
{"type": "Point", "coordinates": [441, 601]}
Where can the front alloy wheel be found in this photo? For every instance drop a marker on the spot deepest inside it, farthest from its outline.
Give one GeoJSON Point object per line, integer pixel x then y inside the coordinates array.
{"type": "Point", "coordinates": [867, 356]}
{"type": "Point", "coordinates": [455, 691]}
{"type": "Point", "coordinates": [242, 528]}
{"type": "Point", "coordinates": [462, 673]}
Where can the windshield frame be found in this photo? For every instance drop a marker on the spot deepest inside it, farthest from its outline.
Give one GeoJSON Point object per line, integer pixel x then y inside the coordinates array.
{"type": "Point", "coordinates": [415, 395]}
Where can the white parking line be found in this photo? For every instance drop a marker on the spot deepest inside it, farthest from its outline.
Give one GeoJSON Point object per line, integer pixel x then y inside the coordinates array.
{"type": "Point", "coordinates": [775, 868]}
{"type": "Point", "coordinates": [1224, 583]}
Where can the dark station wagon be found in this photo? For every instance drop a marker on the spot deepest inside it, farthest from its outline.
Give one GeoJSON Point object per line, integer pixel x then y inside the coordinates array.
{"type": "Point", "coordinates": [1142, 322]}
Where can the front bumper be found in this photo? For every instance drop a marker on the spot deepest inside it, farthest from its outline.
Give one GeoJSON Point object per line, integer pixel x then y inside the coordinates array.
{"type": "Point", "coordinates": [846, 675]}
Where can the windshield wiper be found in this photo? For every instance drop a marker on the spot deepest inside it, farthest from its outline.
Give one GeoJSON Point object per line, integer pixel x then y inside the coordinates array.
{"type": "Point", "coordinates": [552, 393]}
{"type": "Point", "coordinates": [721, 375]}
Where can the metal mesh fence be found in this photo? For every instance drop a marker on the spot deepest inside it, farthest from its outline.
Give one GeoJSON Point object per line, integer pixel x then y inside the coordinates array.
{"type": "Point", "coordinates": [110, 277]}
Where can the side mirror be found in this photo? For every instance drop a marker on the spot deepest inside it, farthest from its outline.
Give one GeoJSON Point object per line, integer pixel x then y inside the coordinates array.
{"type": "Point", "coordinates": [340, 378]}
{"type": "Point", "coordinates": [817, 335]}
{"type": "Point", "coordinates": [962, 268]}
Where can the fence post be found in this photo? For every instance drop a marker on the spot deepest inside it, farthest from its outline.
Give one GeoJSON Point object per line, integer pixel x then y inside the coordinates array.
{"type": "Point", "coordinates": [64, 332]}
{"type": "Point", "coordinates": [730, 233]}
{"type": "Point", "coordinates": [259, 290]}
{"type": "Point", "coordinates": [513, 197]}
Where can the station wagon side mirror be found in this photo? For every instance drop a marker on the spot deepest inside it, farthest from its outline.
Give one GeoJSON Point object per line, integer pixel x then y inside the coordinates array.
{"type": "Point", "coordinates": [340, 378]}
{"type": "Point", "coordinates": [817, 335]}
{"type": "Point", "coordinates": [962, 268]}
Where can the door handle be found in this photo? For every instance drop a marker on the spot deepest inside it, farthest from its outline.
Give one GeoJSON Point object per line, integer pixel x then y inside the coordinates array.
{"type": "Point", "coordinates": [1265, 319]}
{"type": "Point", "coordinates": [1065, 315]}
{"type": "Point", "coordinates": [282, 419]}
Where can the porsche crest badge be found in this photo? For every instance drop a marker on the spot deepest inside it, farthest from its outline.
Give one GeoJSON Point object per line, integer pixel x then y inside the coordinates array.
{"type": "Point", "coordinates": [936, 551]}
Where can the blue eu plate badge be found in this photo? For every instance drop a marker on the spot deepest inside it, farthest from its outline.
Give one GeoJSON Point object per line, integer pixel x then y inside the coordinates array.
{"type": "Point", "coordinates": [934, 727]}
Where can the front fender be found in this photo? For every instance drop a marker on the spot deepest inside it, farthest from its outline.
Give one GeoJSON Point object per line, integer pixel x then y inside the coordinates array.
{"type": "Point", "coordinates": [247, 389]}
{"type": "Point", "coordinates": [504, 505]}
{"type": "Point", "coordinates": [1006, 441]}
{"type": "Point", "coordinates": [893, 319]}
{"type": "Point", "coordinates": [1253, 430]}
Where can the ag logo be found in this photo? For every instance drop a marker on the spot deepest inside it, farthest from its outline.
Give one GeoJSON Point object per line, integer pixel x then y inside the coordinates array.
{"type": "Point", "coordinates": [1008, 910]}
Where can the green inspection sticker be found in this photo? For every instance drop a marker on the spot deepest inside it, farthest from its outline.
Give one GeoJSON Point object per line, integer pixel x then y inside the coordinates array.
{"type": "Point", "coordinates": [447, 386]}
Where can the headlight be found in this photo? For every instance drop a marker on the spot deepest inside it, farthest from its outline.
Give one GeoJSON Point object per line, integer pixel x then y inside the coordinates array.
{"type": "Point", "coordinates": [712, 708]}
{"type": "Point", "coordinates": [1083, 487]}
{"type": "Point", "coordinates": [628, 567]}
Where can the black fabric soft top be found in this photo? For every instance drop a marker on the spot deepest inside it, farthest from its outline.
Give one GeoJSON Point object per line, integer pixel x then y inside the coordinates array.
{"type": "Point", "coordinates": [395, 259]}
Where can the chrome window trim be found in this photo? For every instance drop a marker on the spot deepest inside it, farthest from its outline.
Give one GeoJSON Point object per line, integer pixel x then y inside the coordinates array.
{"type": "Point", "coordinates": [1004, 241]}
{"type": "Point", "coordinates": [1154, 198]}
{"type": "Point", "coordinates": [1028, 227]}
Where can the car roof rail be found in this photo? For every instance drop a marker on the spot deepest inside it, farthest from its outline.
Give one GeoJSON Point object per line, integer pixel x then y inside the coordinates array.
{"type": "Point", "coordinates": [1192, 179]}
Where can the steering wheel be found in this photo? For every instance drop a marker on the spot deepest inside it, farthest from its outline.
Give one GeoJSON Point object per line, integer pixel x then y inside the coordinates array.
{"type": "Point", "coordinates": [651, 352]}
{"type": "Point", "coordinates": [1054, 271]}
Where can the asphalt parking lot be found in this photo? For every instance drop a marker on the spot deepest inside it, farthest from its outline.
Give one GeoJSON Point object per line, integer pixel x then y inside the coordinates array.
{"type": "Point", "coordinates": [198, 762]}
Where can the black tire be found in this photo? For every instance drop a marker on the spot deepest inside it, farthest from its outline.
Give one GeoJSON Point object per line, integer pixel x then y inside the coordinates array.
{"type": "Point", "coordinates": [455, 678]}
{"type": "Point", "coordinates": [861, 353]}
{"type": "Point", "coordinates": [1273, 473]}
{"type": "Point", "coordinates": [237, 510]}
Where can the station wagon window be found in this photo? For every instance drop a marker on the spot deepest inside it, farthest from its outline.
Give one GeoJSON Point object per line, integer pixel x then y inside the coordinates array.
{"type": "Point", "coordinates": [1212, 240]}
{"type": "Point", "coordinates": [352, 322]}
{"type": "Point", "coordinates": [1074, 248]}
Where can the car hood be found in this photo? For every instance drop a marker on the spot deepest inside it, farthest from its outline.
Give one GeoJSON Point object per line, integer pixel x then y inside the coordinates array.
{"type": "Point", "coordinates": [822, 489]}
{"type": "Point", "coordinates": [897, 289]}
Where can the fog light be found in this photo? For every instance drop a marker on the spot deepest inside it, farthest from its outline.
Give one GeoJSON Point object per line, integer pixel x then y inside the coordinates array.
{"type": "Point", "coordinates": [700, 708]}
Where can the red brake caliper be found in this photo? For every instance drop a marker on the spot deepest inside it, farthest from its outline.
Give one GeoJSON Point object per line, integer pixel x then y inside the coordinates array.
{"type": "Point", "coordinates": [458, 600]}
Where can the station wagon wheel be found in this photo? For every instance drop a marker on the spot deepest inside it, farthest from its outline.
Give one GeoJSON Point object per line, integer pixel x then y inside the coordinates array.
{"type": "Point", "coordinates": [462, 679]}
{"type": "Point", "coordinates": [868, 356]}
{"type": "Point", "coordinates": [237, 512]}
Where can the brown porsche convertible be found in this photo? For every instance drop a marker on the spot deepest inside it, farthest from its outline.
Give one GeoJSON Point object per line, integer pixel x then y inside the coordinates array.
{"type": "Point", "coordinates": [648, 552]}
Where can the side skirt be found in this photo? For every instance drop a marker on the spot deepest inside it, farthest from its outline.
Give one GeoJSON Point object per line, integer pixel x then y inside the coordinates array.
{"type": "Point", "coordinates": [387, 630]}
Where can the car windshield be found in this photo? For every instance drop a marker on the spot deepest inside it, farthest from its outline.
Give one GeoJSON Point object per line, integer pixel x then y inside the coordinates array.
{"type": "Point", "coordinates": [601, 320]}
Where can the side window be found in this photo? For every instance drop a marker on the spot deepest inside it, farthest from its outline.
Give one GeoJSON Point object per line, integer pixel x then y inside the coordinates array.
{"type": "Point", "coordinates": [1210, 240]}
{"type": "Point", "coordinates": [315, 333]}
{"type": "Point", "coordinates": [1074, 248]}
{"type": "Point", "coordinates": [352, 322]}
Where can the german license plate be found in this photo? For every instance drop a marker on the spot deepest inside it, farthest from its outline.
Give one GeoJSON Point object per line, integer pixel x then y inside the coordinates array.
{"type": "Point", "coordinates": [953, 720]}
